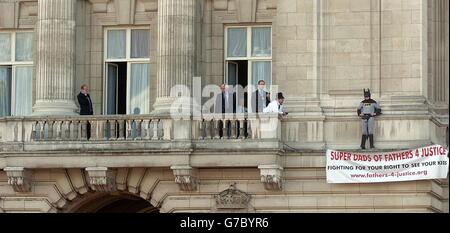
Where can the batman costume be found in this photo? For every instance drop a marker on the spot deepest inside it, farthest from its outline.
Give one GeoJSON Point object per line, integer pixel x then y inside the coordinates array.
{"type": "Point", "coordinates": [367, 110]}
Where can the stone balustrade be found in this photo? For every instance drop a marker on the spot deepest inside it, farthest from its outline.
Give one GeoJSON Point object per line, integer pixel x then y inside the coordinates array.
{"type": "Point", "coordinates": [239, 126]}
{"type": "Point", "coordinates": [84, 128]}
{"type": "Point", "coordinates": [137, 127]}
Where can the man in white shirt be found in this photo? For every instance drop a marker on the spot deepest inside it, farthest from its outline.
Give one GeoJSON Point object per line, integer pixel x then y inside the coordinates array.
{"type": "Point", "coordinates": [276, 105]}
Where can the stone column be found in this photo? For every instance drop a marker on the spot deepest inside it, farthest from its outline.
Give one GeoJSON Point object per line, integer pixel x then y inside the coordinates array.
{"type": "Point", "coordinates": [177, 36]}
{"type": "Point", "coordinates": [55, 58]}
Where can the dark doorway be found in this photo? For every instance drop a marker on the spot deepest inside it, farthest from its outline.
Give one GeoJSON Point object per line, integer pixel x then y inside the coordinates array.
{"type": "Point", "coordinates": [237, 77]}
{"type": "Point", "coordinates": [116, 93]}
{"type": "Point", "coordinates": [237, 73]}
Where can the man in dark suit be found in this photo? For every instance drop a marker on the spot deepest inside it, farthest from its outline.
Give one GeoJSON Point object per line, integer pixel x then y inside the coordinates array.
{"type": "Point", "coordinates": [84, 99]}
{"type": "Point", "coordinates": [225, 103]}
{"type": "Point", "coordinates": [260, 98]}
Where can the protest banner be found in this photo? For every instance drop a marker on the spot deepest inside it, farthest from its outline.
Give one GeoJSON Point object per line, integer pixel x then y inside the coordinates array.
{"type": "Point", "coordinates": [429, 162]}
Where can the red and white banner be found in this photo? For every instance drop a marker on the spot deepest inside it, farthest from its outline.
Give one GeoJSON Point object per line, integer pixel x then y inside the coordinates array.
{"type": "Point", "coordinates": [424, 163]}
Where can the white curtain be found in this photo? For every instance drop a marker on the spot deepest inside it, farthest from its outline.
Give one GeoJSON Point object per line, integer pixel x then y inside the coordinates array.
{"type": "Point", "coordinates": [24, 46]}
{"type": "Point", "coordinates": [116, 44]}
{"type": "Point", "coordinates": [262, 70]}
{"type": "Point", "coordinates": [23, 93]}
{"type": "Point", "coordinates": [139, 43]}
{"type": "Point", "coordinates": [262, 44]}
{"type": "Point", "coordinates": [5, 91]}
{"type": "Point", "coordinates": [5, 47]}
{"type": "Point", "coordinates": [139, 89]}
{"type": "Point", "coordinates": [237, 42]}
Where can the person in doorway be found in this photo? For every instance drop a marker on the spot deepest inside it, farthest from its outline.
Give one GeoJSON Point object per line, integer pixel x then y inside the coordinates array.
{"type": "Point", "coordinates": [367, 110]}
{"type": "Point", "coordinates": [84, 99]}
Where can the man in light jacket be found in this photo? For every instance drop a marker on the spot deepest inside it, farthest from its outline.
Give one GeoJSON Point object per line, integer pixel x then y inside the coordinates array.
{"type": "Point", "coordinates": [276, 105]}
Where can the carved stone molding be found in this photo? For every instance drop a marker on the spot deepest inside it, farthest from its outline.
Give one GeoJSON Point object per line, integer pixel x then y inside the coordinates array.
{"type": "Point", "coordinates": [150, 5]}
{"type": "Point", "coordinates": [28, 8]}
{"type": "Point", "coordinates": [220, 5]}
{"type": "Point", "coordinates": [246, 10]}
{"type": "Point", "coordinates": [271, 176]}
{"type": "Point", "coordinates": [185, 177]}
{"type": "Point", "coordinates": [223, 5]}
{"type": "Point", "coordinates": [9, 12]}
{"type": "Point", "coordinates": [99, 6]}
{"type": "Point", "coordinates": [19, 178]}
{"type": "Point", "coordinates": [125, 10]}
{"type": "Point", "coordinates": [232, 198]}
{"type": "Point", "coordinates": [102, 179]}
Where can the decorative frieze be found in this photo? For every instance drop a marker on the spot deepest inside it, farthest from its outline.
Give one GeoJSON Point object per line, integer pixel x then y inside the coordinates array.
{"type": "Point", "coordinates": [232, 198]}
{"type": "Point", "coordinates": [271, 176]}
{"type": "Point", "coordinates": [102, 179]}
{"type": "Point", "coordinates": [19, 178]}
{"type": "Point", "coordinates": [185, 177]}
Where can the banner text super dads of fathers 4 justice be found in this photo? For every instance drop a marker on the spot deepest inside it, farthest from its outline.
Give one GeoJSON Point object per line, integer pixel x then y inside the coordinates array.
{"type": "Point", "coordinates": [429, 162]}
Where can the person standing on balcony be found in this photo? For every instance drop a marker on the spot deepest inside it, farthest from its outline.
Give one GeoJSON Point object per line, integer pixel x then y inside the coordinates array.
{"type": "Point", "coordinates": [367, 110]}
{"type": "Point", "coordinates": [260, 98]}
{"type": "Point", "coordinates": [225, 103]}
{"type": "Point", "coordinates": [84, 99]}
{"type": "Point", "coordinates": [276, 106]}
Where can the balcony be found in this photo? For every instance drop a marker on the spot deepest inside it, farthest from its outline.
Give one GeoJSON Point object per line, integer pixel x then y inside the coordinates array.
{"type": "Point", "coordinates": [140, 140]}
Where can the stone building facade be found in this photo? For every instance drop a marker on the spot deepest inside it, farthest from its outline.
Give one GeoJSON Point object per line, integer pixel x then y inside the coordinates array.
{"type": "Point", "coordinates": [319, 53]}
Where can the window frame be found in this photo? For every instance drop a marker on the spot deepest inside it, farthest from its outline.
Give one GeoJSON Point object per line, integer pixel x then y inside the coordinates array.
{"type": "Point", "coordinates": [128, 59]}
{"type": "Point", "coordinates": [14, 64]}
{"type": "Point", "coordinates": [249, 42]}
{"type": "Point", "coordinates": [248, 56]}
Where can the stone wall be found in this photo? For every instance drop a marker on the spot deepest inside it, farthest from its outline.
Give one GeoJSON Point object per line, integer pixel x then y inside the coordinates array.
{"type": "Point", "coordinates": [304, 190]}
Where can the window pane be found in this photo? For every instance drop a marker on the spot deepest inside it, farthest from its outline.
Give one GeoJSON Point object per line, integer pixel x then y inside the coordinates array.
{"type": "Point", "coordinates": [5, 47]}
{"type": "Point", "coordinates": [237, 42]}
{"type": "Point", "coordinates": [23, 94]}
{"type": "Point", "coordinates": [261, 42]}
{"type": "Point", "coordinates": [5, 91]}
{"type": "Point", "coordinates": [24, 46]}
{"type": "Point", "coordinates": [139, 43]}
{"type": "Point", "coordinates": [262, 70]}
{"type": "Point", "coordinates": [139, 89]}
{"type": "Point", "coordinates": [116, 44]}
